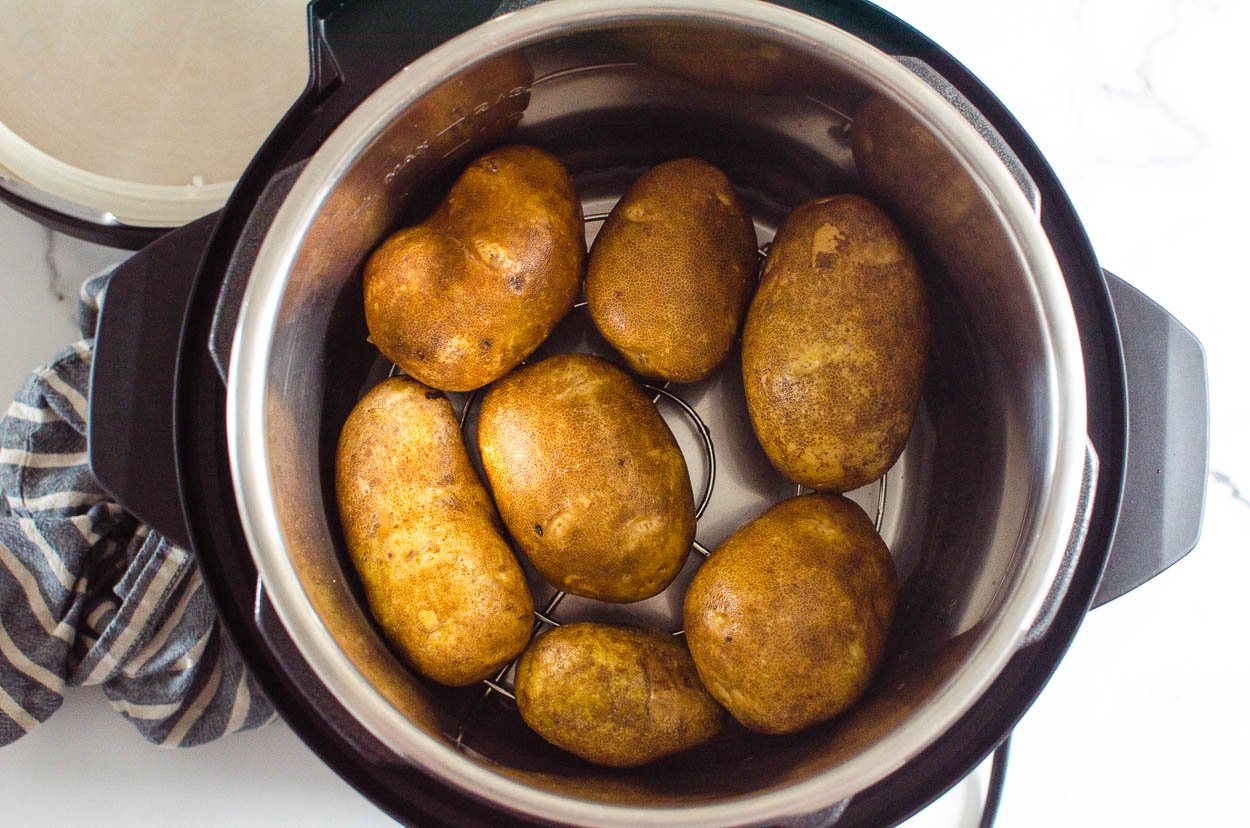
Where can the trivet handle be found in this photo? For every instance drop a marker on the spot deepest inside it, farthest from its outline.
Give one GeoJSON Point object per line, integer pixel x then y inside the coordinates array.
{"type": "Point", "coordinates": [1165, 473]}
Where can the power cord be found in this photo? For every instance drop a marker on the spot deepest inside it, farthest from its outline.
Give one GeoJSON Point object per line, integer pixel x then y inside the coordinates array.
{"type": "Point", "coordinates": [998, 776]}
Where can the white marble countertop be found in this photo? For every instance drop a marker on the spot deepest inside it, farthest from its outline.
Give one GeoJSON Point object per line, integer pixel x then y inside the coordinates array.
{"type": "Point", "coordinates": [1135, 104]}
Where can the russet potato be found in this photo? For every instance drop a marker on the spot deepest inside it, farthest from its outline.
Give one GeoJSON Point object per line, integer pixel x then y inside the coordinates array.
{"type": "Point", "coordinates": [787, 619]}
{"type": "Point", "coordinates": [588, 478]}
{"type": "Point", "coordinates": [835, 345]}
{"type": "Point", "coordinates": [671, 271]}
{"type": "Point", "coordinates": [721, 61]}
{"type": "Point", "coordinates": [615, 696]}
{"type": "Point", "coordinates": [438, 576]}
{"type": "Point", "coordinates": [462, 298]}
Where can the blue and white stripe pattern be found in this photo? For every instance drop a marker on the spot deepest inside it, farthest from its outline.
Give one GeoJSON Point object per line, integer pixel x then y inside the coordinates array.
{"type": "Point", "coordinates": [90, 596]}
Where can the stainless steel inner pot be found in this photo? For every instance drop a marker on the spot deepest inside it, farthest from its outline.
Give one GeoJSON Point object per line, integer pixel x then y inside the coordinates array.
{"type": "Point", "coordinates": [978, 513]}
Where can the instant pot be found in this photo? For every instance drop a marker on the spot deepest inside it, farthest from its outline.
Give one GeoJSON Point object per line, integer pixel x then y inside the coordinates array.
{"type": "Point", "coordinates": [1058, 459]}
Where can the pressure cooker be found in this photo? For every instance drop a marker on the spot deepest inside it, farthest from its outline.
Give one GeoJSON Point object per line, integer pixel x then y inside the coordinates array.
{"type": "Point", "coordinates": [1058, 459]}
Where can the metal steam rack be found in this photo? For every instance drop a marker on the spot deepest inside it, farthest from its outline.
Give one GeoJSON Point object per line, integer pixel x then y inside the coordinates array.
{"type": "Point", "coordinates": [501, 684]}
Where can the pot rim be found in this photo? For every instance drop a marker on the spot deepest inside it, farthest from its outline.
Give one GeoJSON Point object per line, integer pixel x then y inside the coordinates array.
{"type": "Point", "coordinates": [1061, 475]}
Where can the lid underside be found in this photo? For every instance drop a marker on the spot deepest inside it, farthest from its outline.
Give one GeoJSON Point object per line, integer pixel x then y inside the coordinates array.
{"type": "Point", "coordinates": [144, 113]}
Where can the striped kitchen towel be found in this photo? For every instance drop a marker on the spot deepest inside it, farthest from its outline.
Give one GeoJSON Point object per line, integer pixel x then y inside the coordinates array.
{"type": "Point", "coordinates": [90, 596]}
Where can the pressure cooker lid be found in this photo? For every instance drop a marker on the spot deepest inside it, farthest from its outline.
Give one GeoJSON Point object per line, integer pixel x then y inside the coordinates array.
{"type": "Point", "coordinates": [142, 114]}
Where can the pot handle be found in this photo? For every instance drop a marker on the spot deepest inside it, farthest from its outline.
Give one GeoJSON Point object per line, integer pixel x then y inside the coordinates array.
{"type": "Point", "coordinates": [1165, 474]}
{"type": "Point", "coordinates": [358, 44]}
{"type": "Point", "coordinates": [130, 417]}
{"type": "Point", "coordinates": [246, 249]}
{"type": "Point", "coordinates": [1071, 553]}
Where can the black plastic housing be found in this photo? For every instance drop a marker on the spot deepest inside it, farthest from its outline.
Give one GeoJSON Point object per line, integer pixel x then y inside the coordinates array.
{"type": "Point", "coordinates": [354, 46]}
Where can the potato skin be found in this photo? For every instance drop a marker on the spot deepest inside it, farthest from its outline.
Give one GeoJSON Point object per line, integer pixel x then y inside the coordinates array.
{"type": "Point", "coordinates": [588, 478]}
{"type": "Point", "coordinates": [904, 165]}
{"type": "Point", "coordinates": [460, 299]}
{"type": "Point", "coordinates": [787, 619]}
{"type": "Point", "coordinates": [835, 345]}
{"type": "Point", "coordinates": [671, 271]}
{"type": "Point", "coordinates": [439, 577]}
{"type": "Point", "coordinates": [726, 62]}
{"type": "Point", "coordinates": [615, 696]}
